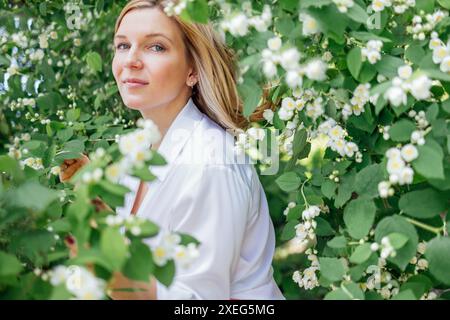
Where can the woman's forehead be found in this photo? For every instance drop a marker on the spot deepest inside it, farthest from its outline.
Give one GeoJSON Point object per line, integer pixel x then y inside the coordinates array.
{"type": "Point", "coordinates": [146, 22]}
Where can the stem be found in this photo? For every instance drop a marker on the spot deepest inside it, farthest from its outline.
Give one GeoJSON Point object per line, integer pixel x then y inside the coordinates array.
{"type": "Point", "coordinates": [424, 226]}
{"type": "Point", "coordinates": [303, 194]}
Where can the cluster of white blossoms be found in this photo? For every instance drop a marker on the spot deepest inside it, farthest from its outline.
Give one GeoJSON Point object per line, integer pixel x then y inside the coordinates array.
{"type": "Point", "coordinates": [170, 248]}
{"type": "Point", "coordinates": [78, 281]}
{"type": "Point", "coordinates": [386, 248]}
{"type": "Point", "coordinates": [441, 52]}
{"type": "Point", "coordinates": [336, 140]}
{"type": "Point", "coordinates": [238, 23]}
{"type": "Point", "coordinates": [310, 25]}
{"type": "Point", "coordinates": [175, 7]}
{"type": "Point", "coordinates": [248, 142]}
{"type": "Point", "coordinates": [305, 230]}
{"type": "Point", "coordinates": [21, 103]}
{"type": "Point", "coordinates": [399, 6]}
{"type": "Point", "coordinates": [291, 205]}
{"type": "Point", "coordinates": [418, 85]}
{"type": "Point", "coordinates": [289, 59]}
{"type": "Point", "coordinates": [132, 224]}
{"type": "Point", "coordinates": [343, 5]}
{"type": "Point", "coordinates": [307, 278]}
{"type": "Point", "coordinates": [421, 123]}
{"type": "Point", "coordinates": [37, 55]}
{"type": "Point", "coordinates": [135, 148]}
{"type": "Point", "coordinates": [33, 162]}
{"type": "Point", "coordinates": [422, 25]}
{"type": "Point", "coordinates": [418, 261]}
{"type": "Point", "coordinates": [385, 131]}
{"type": "Point", "coordinates": [20, 39]}
{"type": "Point", "coordinates": [399, 168]}
{"type": "Point", "coordinates": [372, 51]}
{"type": "Point", "coordinates": [360, 97]}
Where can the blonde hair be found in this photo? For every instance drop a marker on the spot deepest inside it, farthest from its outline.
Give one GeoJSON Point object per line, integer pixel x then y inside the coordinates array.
{"type": "Point", "coordinates": [215, 93]}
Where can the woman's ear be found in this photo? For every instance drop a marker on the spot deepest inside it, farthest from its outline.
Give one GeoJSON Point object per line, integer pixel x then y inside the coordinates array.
{"type": "Point", "coordinates": [192, 78]}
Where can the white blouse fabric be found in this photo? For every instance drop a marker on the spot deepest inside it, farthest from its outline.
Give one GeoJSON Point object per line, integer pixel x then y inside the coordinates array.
{"type": "Point", "coordinates": [203, 191]}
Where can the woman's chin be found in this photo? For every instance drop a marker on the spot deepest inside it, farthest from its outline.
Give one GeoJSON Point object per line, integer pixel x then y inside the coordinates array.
{"type": "Point", "coordinates": [134, 104]}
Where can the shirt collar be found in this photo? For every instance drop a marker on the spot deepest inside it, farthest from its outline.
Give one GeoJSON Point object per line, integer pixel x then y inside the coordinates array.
{"type": "Point", "coordinates": [176, 137]}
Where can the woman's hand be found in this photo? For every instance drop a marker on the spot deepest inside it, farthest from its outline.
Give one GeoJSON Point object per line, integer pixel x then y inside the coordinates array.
{"type": "Point", "coordinates": [142, 290]}
{"type": "Point", "coordinates": [70, 166]}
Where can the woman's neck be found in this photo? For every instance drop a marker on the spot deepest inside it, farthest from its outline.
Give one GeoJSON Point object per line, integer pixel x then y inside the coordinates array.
{"type": "Point", "coordinates": [164, 115]}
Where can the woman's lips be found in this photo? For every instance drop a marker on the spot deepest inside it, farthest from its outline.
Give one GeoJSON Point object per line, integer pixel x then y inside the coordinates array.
{"type": "Point", "coordinates": [131, 85]}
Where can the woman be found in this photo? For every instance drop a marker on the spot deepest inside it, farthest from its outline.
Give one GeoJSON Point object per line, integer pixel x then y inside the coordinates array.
{"type": "Point", "coordinates": [181, 76]}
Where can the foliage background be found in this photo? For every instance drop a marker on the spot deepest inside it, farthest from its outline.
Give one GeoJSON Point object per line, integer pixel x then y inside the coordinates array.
{"type": "Point", "coordinates": [77, 109]}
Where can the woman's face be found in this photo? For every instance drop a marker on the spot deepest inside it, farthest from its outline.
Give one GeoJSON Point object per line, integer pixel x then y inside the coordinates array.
{"type": "Point", "coordinates": [150, 64]}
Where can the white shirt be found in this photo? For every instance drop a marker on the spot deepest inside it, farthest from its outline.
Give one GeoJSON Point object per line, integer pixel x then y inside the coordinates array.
{"type": "Point", "coordinates": [204, 192]}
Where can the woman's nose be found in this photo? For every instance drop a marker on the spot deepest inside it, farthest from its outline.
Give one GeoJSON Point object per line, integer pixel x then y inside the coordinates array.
{"type": "Point", "coordinates": [133, 61]}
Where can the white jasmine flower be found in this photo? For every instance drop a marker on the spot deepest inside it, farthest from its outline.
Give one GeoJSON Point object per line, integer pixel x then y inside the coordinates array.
{"type": "Point", "coordinates": [396, 96]}
{"type": "Point", "coordinates": [316, 70]}
{"type": "Point", "coordinates": [310, 25]}
{"type": "Point", "coordinates": [420, 87]}
{"type": "Point", "coordinates": [409, 152]}
{"type": "Point", "coordinates": [290, 59]}
{"type": "Point", "coordinates": [404, 72]}
{"type": "Point", "coordinates": [274, 43]}
{"type": "Point", "coordinates": [268, 115]}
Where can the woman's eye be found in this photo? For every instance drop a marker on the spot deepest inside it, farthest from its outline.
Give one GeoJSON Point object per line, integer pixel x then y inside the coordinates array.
{"type": "Point", "coordinates": [119, 46]}
{"type": "Point", "coordinates": [157, 48]}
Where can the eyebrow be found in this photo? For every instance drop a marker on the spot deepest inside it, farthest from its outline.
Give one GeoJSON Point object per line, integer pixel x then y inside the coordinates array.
{"type": "Point", "coordinates": [150, 35]}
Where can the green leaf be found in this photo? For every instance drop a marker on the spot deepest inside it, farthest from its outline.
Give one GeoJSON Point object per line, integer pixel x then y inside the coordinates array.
{"type": "Point", "coordinates": [357, 14]}
{"type": "Point", "coordinates": [423, 204]}
{"type": "Point", "coordinates": [337, 242]}
{"type": "Point", "coordinates": [437, 74]}
{"type": "Point", "coordinates": [289, 230]}
{"type": "Point", "coordinates": [366, 181]}
{"type": "Point", "coordinates": [251, 93]}
{"type": "Point", "coordinates": [198, 10]}
{"type": "Point", "coordinates": [9, 265]}
{"type": "Point", "coordinates": [288, 181]}
{"type": "Point", "coordinates": [113, 247]}
{"type": "Point", "coordinates": [65, 134]}
{"type": "Point", "coordinates": [366, 36]}
{"type": "Point", "coordinates": [323, 228]}
{"type": "Point", "coordinates": [12, 167]}
{"type": "Point", "coordinates": [143, 173]}
{"type": "Point", "coordinates": [73, 114]}
{"type": "Point", "coordinates": [444, 3]}
{"type": "Point", "coordinates": [140, 265]}
{"type": "Point", "coordinates": [331, 268]}
{"type": "Point", "coordinates": [294, 213]}
{"type": "Point", "coordinates": [345, 189]}
{"type": "Point", "coordinates": [415, 53]}
{"type": "Point", "coordinates": [401, 130]}
{"type": "Point", "coordinates": [74, 146]}
{"type": "Point", "coordinates": [165, 273]}
{"type": "Point", "coordinates": [347, 291]}
{"type": "Point", "coordinates": [328, 188]}
{"type": "Point", "coordinates": [438, 256]}
{"type": "Point", "coordinates": [361, 253]}
{"type": "Point", "coordinates": [388, 65]}
{"type": "Point", "coordinates": [359, 216]}
{"type": "Point", "coordinates": [34, 196]}
{"type": "Point", "coordinates": [425, 5]}
{"type": "Point", "coordinates": [398, 224]}
{"type": "Point", "coordinates": [354, 62]}
{"type": "Point", "coordinates": [429, 163]}
{"type": "Point", "coordinates": [397, 240]}
{"type": "Point", "coordinates": [299, 142]}
{"type": "Point", "coordinates": [94, 61]}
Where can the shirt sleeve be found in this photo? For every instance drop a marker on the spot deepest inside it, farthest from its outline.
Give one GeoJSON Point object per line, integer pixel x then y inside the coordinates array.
{"type": "Point", "coordinates": [213, 208]}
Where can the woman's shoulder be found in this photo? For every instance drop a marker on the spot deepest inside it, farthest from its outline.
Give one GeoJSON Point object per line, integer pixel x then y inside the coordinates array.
{"type": "Point", "coordinates": [213, 147]}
